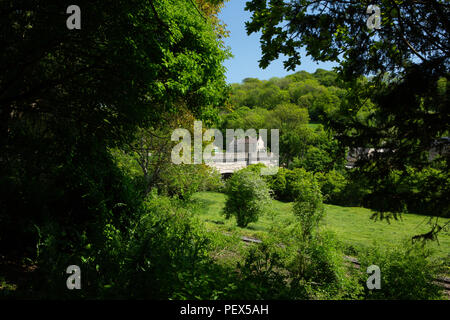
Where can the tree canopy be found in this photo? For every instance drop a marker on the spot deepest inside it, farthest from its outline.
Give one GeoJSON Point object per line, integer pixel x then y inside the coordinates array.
{"type": "Point", "coordinates": [66, 96]}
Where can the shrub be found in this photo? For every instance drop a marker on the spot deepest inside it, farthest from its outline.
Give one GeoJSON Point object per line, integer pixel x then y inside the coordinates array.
{"type": "Point", "coordinates": [407, 272]}
{"type": "Point", "coordinates": [185, 180]}
{"type": "Point", "coordinates": [163, 254]}
{"type": "Point", "coordinates": [167, 250]}
{"type": "Point", "coordinates": [286, 267]}
{"type": "Point", "coordinates": [248, 197]}
{"type": "Point", "coordinates": [211, 180]}
{"type": "Point", "coordinates": [424, 189]}
{"type": "Point", "coordinates": [277, 183]}
{"type": "Point", "coordinates": [316, 160]}
{"type": "Point", "coordinates": [256, 168]}
{"type": "Point", "coordinates": [332, 185]}
{"type": "Point", "coordinates": [308, 206]}
{"type": "Point", "coordinates": [319, 267]}
{"type": "Point", "coordinates": [264, 273]}
{"type": "Point", "coordinates": [98, 252]}
{"type": "Point", "coordinates": [286, 182]}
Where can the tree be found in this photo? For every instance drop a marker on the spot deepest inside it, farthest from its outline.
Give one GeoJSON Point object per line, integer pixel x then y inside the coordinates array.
{"type": "Point", "coordinates": [211, 9]}
{"type": "Point", "coordinates": [287, 116]}
{"type": "Point", "coordinates": [248, 197]}
{"type": "Point", "coordinates": [66, 96]}
{"type": "Point", "coordinates": [151, 147]}
{"type": "Point", "coordinates": [408, 59]}
{"type": "Point", "coordinates": [308, 204]}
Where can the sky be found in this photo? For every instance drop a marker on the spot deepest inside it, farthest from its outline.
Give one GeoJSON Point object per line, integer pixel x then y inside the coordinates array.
{"type": "Point", "coordinates": [247, 51]}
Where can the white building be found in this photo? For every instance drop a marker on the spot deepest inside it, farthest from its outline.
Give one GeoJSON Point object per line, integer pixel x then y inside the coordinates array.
{"type": "Point", "coordinates": [241, 152]}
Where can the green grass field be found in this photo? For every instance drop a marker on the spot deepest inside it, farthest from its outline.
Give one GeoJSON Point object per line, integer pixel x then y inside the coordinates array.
{"type": "Point", "coordinates": [313, 125]}
{"type": "Point", "coordinates": [351, 224]}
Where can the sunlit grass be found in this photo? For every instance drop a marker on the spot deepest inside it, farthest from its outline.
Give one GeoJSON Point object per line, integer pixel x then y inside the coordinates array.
{"type": "Point", "coordinates": [352, 225]}
{"type": "Point", "coordinates": [313, 125]}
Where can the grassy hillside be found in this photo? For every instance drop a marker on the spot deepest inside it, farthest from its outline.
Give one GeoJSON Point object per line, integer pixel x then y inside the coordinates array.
{"type": "Point", "coordinates": [351, 224]}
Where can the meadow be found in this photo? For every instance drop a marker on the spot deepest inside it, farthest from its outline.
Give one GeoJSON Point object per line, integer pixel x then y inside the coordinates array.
{"type": "Point", "coordinates": [352, 225]}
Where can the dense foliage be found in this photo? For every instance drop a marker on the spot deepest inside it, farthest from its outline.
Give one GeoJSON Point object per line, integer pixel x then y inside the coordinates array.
{"type": "Point", "coordinates": [85, 145]}
{"type": "Point", "coordinates": [308, 206]}
{"type": "Point", "coordinates": [73, 94]}
{"type": "Point", "coordinates": [73, 104]}
{"type": "Point", "coordinates": [248, 197]}
{"type": "Point", "coordinates": [407, 272]}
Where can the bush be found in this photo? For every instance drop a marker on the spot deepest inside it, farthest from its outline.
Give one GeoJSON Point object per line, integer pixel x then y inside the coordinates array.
{"type": "Point", "coordinates": [164, 254]}
{"type": "Point", "coordinates": [256, 168]}
{"type": "Point", "coordinates": [318, 265]}
{"type": "Point", "coordinates": [167, 253]}
{"type": "Point", "coordinates": [277, 183]}
{"type": "Point", "coordinates": [332, 185]}
{"type": "Point", "coordinates": [285, 183]}
{"type": "Point", "coordinates": [248, 197]}
{"type": "Point", "coordinates": [264, 273]}
{"type": "Point", "coordinates": [425, 189]}
{"type": "Point", "coordinates": [98, 252]}
{"type": "Point", "coordinates": [185, 180]}
{"type": "Point", "coordinates": [407, 272]}
{"type": "Point", "coordinates": [308, 206]}
{"type": "Point", "coordinates": [297, 269]}
{"type": "Point", "coordinates": [316, 160]}
{"type": "Point", "coordinates": [211, 180]}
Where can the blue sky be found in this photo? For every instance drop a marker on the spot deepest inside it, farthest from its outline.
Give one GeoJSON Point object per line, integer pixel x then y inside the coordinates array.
{"type": "Point", "coordinates": [246, 49]}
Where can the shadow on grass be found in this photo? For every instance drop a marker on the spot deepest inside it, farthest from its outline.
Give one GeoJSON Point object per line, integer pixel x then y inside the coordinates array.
{"type": "Point", "coordinates": [215, 221]}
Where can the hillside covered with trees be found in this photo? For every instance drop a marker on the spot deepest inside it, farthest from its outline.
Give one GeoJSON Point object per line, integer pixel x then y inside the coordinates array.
{"type": "Point", "coordinates": [304, 108]}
